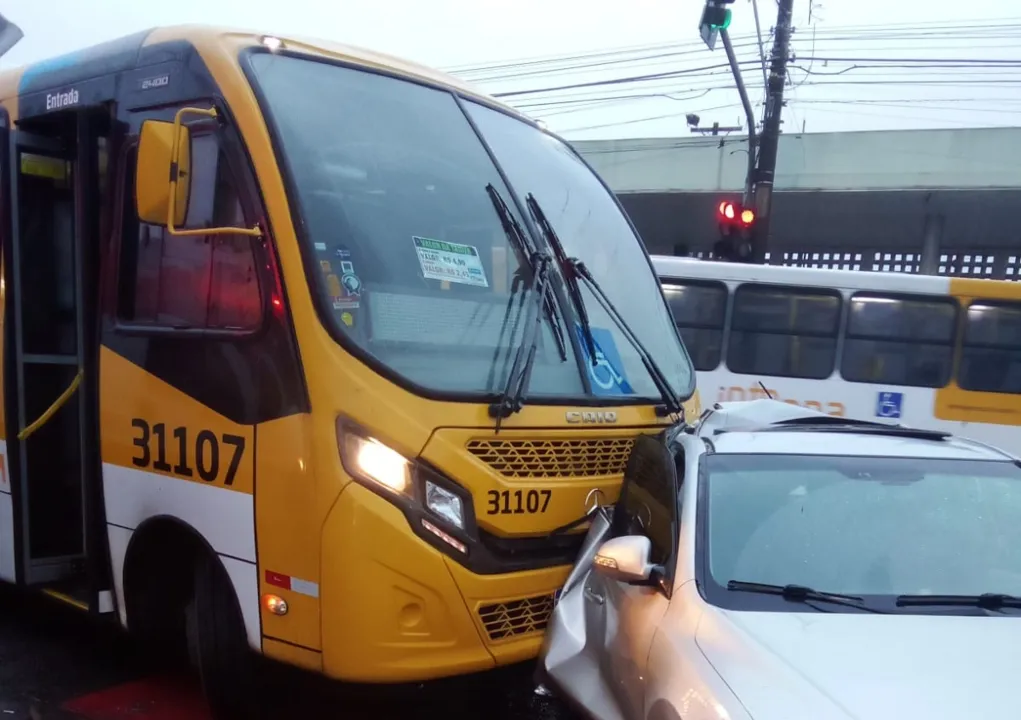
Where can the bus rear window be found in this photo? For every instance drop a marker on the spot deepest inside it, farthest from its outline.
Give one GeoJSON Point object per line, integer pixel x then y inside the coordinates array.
{"type": "Point", "coordinates": [784, 331]}
{"type": "Point", "coordinates": [991, 352]}
{"type": "Point", "coordinates": [899, 340]}
{"type": "Point", "coordinates": [699, 311]}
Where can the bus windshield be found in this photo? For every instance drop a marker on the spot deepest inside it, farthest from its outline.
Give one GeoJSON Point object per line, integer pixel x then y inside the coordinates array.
{"type": "Point", "coordinates": [411, 258]}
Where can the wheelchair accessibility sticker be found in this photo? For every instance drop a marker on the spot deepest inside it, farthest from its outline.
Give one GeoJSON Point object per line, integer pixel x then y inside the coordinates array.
{"type": "Point", "coordinates": [889, 405]}
{"type": "Point", "coordinates": [607, 373]}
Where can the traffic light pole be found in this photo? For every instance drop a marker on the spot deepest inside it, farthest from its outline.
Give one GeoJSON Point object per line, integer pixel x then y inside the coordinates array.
{"type": "Point", "coordinates": [749, 184]}
{"type": "Point", "coordinates": [770, 138]}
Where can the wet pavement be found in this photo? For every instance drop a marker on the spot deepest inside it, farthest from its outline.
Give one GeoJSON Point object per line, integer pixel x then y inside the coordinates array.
{"type": "Point", "coordinates": [57, 665]}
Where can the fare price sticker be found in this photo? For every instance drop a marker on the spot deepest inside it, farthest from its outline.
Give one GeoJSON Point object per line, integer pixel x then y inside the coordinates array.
{"type": "Point", "coordinates": [450, 262]}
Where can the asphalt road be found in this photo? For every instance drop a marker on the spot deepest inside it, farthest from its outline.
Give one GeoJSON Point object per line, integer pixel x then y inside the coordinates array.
{"type": "Point", "coordinates": [56, 665]}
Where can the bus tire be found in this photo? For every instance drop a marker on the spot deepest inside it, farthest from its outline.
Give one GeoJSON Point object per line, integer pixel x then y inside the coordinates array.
{"type": "Point", "coordinates": [218, 644]}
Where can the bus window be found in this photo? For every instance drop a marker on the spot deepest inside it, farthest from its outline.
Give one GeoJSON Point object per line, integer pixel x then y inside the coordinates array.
{"type": "Point", "coordinates": [191, 282]}
{"type": "Point", "coordinates": [394, 198]}
{"type": "Point", "coordinates": [899, 340]}
{"type": "Point", "coordinates": [991, 353]}
{"type": "Point", "coordinates": [699, 311]}
{"type": "Point", "coordinates": [784, 331]}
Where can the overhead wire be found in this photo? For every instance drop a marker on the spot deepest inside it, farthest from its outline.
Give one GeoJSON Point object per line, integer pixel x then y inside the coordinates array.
{"type": "Point", "coordinates": [862, 50]}
{"type": "Point", "coordinates": [576, 61]}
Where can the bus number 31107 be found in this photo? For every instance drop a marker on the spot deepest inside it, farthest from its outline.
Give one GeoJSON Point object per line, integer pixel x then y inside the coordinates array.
{"type": "Point", "coordinates": [518, 502]}
{"type": "Point", "coordinates": [204, 448]}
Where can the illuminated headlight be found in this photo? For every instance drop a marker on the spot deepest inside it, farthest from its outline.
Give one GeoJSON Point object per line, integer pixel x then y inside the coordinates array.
{"type": "Point", "coordinates": [371, 460]}
{"type": "Point", "coordinates": [445, 504]}
{"type": "Point", "coordinates": [406, 483]}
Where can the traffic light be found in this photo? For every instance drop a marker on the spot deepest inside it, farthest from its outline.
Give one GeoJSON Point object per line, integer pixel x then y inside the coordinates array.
{"type": "Point", "coordinates": [732, 214]}
{"type": "Point", "coordinates": [736, 224]}
{"type": "Point", "coordinates": [715, 17]}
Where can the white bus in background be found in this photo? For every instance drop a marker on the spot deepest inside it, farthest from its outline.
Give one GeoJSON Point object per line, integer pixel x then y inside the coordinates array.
{"type": "Point", "coordinates": [927, 351]}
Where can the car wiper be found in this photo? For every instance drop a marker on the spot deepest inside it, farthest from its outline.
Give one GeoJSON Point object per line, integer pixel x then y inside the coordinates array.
{"type": "Point", "coordinates": [512, 398]}
{"type": "Point", "coordinates": [572, 269]}
{"type": "Point", "coordinates": [986, 601]}
{"type": "Point", "coordinates": [520, 242]}
{"type": "Point", "coordinates": [800, 593]}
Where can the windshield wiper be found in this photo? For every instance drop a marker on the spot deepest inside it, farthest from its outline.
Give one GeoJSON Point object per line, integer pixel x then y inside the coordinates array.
{"type": "Point", "coordinates": [511, 399]}
{"type": "Point", "coordinates": [986, 601]}
{"type": "Point", "coordinates": [520, 242]}
{"type": "Point", "coordinates": [572, 269]}
{"type": "Point", "coordinates": [570, 278]}
{"type": "Point", "coordinates": [800, 593]}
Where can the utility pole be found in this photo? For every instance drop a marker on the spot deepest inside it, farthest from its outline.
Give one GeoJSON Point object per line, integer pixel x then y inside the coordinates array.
{"type": "Point", "coordinates": [769, 140]}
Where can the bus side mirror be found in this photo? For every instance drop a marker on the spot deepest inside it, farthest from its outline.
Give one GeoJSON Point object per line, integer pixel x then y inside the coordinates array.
{"type": "Point", "coordinates": [163, 173]}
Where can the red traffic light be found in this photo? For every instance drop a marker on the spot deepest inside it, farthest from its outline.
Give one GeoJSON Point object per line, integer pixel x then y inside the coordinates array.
{"type": "Point", "coordinates": [731, 213]}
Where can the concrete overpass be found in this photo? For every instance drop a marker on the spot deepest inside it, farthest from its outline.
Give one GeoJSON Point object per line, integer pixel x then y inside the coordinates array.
{"type": "Point", "coordinates": [956, 193]}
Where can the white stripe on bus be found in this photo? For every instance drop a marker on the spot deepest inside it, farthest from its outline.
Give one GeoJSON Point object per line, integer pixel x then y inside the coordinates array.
{"type": "Point", "coordinates": [225, 519]}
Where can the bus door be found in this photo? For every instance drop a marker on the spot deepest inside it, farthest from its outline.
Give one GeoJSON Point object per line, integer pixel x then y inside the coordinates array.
{"type": "Point", "coordinates": [46, 414]}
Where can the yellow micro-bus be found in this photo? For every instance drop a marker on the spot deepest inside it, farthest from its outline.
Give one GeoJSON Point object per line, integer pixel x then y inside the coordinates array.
{"type": "Point", "coordinates": [312, 352]}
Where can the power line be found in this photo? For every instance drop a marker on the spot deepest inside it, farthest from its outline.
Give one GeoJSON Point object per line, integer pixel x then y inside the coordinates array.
{"type": "Point", "coordinates": [918, 61]}
{"type": "Point", "coordinates": [652, 118]}
{"type": "Point", "coordinates": [745, 50]}
{"type": "Point", "coordinates": [851, 33]}
{"type": "Point", "coordinates": [865, 51]}
{"type": "Point", "coordinates": [700, 86]}
{"type": "Point", "coordinates": [614, 81]}
{"type": "Point", "coordinates": [892, 105]}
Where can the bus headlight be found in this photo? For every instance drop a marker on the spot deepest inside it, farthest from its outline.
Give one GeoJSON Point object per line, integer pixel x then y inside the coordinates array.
{"type": "Point", "coordinates": [369, 459]}
{"type": "Point", "coordinates": [429, 500]}
{"type": "Point", "coordinates": [444, 503]}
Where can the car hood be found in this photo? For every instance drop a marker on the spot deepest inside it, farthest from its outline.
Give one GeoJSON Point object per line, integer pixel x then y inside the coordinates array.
{"type": "Point", "coordinates": [843, 666]}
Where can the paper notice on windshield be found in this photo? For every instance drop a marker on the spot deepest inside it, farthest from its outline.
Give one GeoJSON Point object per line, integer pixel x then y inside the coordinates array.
{"type": "Point", "coordinates": [453, 262]}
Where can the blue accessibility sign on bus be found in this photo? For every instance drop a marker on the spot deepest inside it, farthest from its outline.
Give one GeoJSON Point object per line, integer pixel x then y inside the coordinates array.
{"type": "Point", "coordinates": [889, 405]}
{"type": "Point", "coordinates": [607, 372]}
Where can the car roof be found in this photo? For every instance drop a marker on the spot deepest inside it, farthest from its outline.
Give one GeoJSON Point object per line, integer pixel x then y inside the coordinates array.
{"type": "Point", "coordinates": [774, 427]}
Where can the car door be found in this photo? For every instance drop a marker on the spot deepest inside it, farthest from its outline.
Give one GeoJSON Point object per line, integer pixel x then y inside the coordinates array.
{"type": "Point", "coordinates": [601, 630]}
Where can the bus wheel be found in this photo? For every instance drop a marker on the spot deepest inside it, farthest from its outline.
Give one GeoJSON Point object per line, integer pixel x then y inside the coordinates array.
{"type": "Point", "coordinates": [218, 644]}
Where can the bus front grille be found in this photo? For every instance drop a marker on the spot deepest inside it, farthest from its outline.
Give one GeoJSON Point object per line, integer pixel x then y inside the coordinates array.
{"type": "Point", "coordinates": [515, 618]}
{"type": "Point", "coordinates": [575, 457]}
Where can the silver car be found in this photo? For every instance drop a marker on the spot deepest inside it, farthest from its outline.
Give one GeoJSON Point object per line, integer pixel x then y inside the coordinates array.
{"type": "Point", "coordinates": [773, 563]}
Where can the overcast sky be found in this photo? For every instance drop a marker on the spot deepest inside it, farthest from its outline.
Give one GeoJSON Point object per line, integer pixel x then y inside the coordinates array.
{"type": "Point", "coordinates": [842, 79]}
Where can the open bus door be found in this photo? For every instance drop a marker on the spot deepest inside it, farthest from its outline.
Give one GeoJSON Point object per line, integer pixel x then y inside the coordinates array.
{"type": "Point", "coordinates": [50, 235]}
{"type": "Point", "coordinates": [47, 355]}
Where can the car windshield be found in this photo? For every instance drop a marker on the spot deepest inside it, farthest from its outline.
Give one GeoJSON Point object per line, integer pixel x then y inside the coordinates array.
{"type": "Point", "coordinates": [865, 525]}
{"type": "Point", "coordinates": [410, 258]}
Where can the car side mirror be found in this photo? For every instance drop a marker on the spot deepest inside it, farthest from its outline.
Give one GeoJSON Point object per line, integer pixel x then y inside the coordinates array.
{"type": "Point", "coordinates": [625, 559]}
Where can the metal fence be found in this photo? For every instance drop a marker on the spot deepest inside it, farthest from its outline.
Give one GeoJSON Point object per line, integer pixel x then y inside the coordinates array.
{"type": "Point", "coordinates": [983, 264]}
